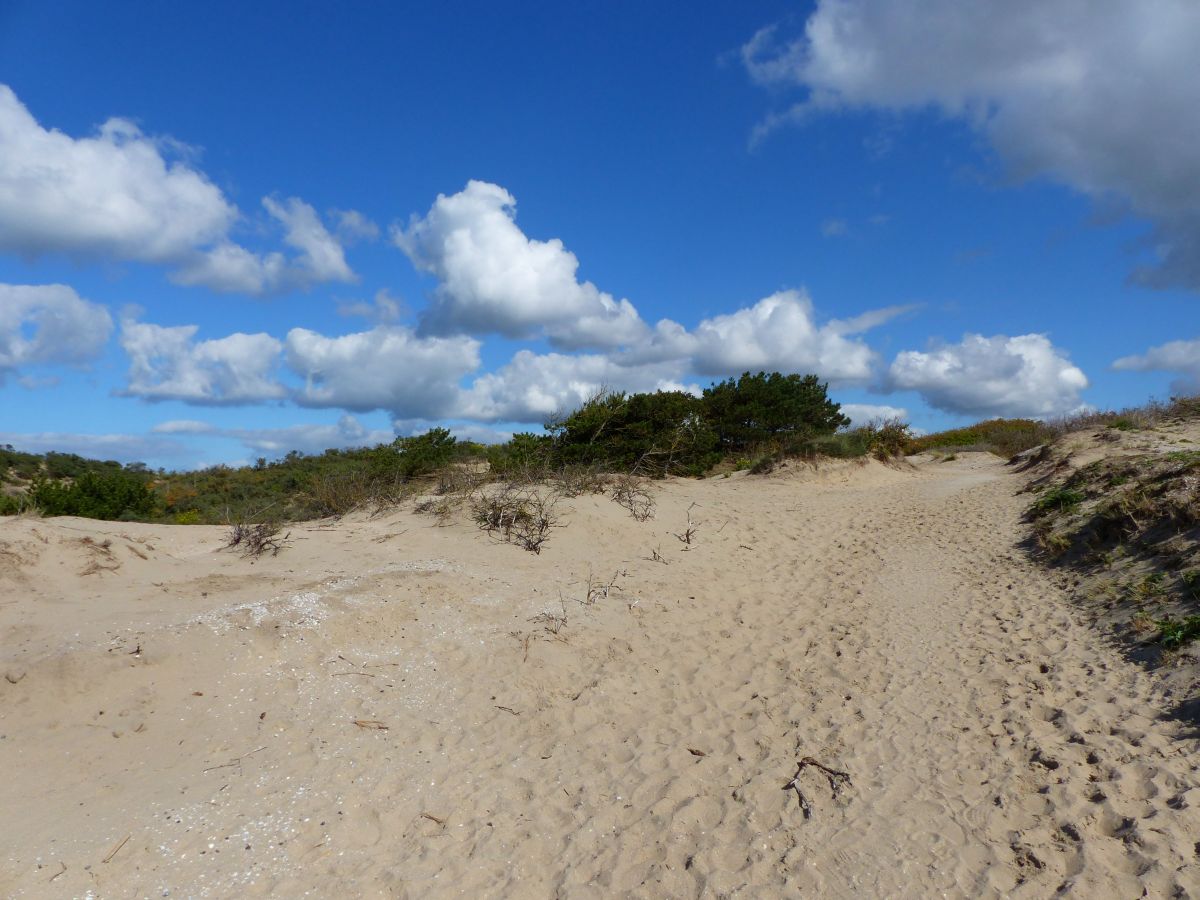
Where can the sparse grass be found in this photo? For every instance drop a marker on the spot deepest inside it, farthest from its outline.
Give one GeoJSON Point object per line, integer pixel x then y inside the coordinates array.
{"type": "Point", "coordinates": [1057, 500]}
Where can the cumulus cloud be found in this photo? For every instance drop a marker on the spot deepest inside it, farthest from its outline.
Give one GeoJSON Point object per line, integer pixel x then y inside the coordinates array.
{"type": "Point", "coordinates": [494, 279]}
{"type": "Point", "coordinates": [118, 195]}
{"type": "Point", "coordinates": [388, 367]}
{"type": "Point", "coordinates": [997, 376]}
{"type": "Point", "coordinates": [306, 438]}
{"type": "Point", "coordinates": [167, 363]}
{"type": "Point", "coordinates": [1100, 96]}
{"type": "Point", "coordinates": [779, 332]}
{"type": "Point", "coordinates": [48, 324]}
{"type": "Point", "coordinates": [865, 413]}
{"type": "Point", "coordinates": [113, 194]}
{"type": "Point", "coordinates": [532, 387]}
{"type": "Point", "coordinates": [1181, 358]}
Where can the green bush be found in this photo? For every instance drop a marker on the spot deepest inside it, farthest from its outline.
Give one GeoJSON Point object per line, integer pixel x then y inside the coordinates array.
{"type": "Point", "coordinates": [95, 495]}
{"type": "Point", "coordinates": [658, 434]}
{"type": "Point", "coordinates": [526, 456]}
{"type": "Point", "coordinates": [755, 409]}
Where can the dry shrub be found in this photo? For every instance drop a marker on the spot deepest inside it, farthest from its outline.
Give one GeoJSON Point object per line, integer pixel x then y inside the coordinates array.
{"type": "Point", "coordinates": [575, 481]}
{"type": "Point", "coordinates": [337, 494]}
{"type": "Point", "coordinates": [256, 540]}
{"type": "Point", "coordinates": [441, 508]}
{"type": "Point", "coordinates": [518, 515]}
{"type": "Point", "coordinates": [630, 492]}
{"type": "Point", "coordinates": [459, 479]}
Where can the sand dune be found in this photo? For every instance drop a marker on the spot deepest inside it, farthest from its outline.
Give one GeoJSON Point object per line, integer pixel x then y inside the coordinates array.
{"type": "Point", "coordinates": [394, 708]}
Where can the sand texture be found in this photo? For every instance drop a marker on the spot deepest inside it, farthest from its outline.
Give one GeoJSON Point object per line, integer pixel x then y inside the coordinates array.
{"type": "Point", "coordinates": [391, 707]}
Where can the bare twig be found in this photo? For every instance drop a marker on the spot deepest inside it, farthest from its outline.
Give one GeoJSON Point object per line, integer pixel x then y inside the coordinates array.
{"type": "Point", "coordinates": [373, 724]}
{"type": "Point", "coordinates": [115, 850]}
{"type": "Point", "coordinates": [690, 532]}
{"type": "Point", "coordinates": [236, 761]}
{"type": "Point", "coordinates": [837, 780]}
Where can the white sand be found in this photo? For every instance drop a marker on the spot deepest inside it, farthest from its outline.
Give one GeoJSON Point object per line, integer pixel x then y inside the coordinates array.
{"type": "Point", "coordinates": [184, 720]}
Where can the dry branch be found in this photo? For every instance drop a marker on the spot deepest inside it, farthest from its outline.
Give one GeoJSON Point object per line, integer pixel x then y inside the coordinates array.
{"type": "Point", "coordinates": [837, 780]}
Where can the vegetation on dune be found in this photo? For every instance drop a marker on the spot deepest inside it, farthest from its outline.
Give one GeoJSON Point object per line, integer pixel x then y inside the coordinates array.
{"type": "Point", "coordinates": [1129, 522]}
{"type": "Point", "coordinates": [1003, 437]}
{"type": "Point", "coordinates": [750, 422]}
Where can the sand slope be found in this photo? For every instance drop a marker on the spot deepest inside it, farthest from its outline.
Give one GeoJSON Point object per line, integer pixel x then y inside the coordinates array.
{"type": "Point", "coordinates": [375, 712]}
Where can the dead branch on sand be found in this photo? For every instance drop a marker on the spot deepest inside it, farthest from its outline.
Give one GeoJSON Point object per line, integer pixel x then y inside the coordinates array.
{"type": "Point", "coordinates": [837, 780]}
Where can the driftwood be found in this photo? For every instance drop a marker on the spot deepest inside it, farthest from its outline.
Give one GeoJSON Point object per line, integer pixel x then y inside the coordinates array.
{"type": "Point", "coordinates": [837, 780]}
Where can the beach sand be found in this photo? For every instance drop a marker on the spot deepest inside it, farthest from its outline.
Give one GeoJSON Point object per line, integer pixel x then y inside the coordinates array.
{"type": "Point", "coordinates": [391, 707]}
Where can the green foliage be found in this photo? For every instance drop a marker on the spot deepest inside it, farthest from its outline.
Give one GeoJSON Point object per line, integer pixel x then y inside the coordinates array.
{"type": "Point", "coordinates": [1175, 633]}
{"type": "Point", "coordinates": [1058, 499]}
{"type": "Point", "coordinates": [525, 456]}
{"type": "Point", "coordinates": [658, 434]}
{"type": "Point", "coordinates": [755, 409]}
{"type": "Point", "coordinates": [111, 495]}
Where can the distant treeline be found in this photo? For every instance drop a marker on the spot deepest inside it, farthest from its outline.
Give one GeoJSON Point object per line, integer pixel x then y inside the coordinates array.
{"type": "Point", "coordinates": [748, 422]}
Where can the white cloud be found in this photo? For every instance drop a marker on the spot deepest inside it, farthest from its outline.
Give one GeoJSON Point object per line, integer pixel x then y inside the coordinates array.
{"type": "Point", "coordinates": [308, 438]}
{"type": "Point", "coordinates": [865, 413]}
{"type": "Point", "coordinates": [110, 195]}
{"type": "Point", "coordinates": [354, 226]}
{"type": "Point", "coordinates": [779, 333]}
{"type": "Point", "coordinates": [384, 308]}
{"type": "Point", "coordinates": [183, 426]}
{"type": "Point", "coordinates": [117, 195]}
{"type": "Point", "coordinates": [494, 279]}
{"type": "Point", "coordinates": [387, 367]}
{"type": "Point", "coordinates": [48, 324]}
{"type": "Point", "coordinates": [166, 363]}
{"type": "Point", "coordinates": [532, 387]}
{"type": "Point", "coordinates": [231, 268]}
{"type": "Point", "coordinates": [835, 228]}
{"type": "Point", "coordinates": [1101, 96]}
{"type": "Point", "coordinates": [1178, 357]}
{"type": "Point", "coordinates": [997, 376]}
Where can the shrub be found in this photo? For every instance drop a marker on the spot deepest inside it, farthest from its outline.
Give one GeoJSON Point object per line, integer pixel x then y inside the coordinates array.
{"type": "Point", "coordinates": [755, 409]}
{"type": "Point", "coordinates": [95, 495]}
{"type": "Point", "coordinates": [657, 434]}
{"type": "Point", "coordinates": [521, 516]}
{"type": "Point", "coordinates": [1059, 499]}
{"type": "Point", "coordinates": [1175, 633]}
{"type": "Point", "coordinates": [526, 457]}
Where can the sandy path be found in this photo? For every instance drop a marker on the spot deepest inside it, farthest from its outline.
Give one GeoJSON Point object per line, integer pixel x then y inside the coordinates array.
{"type": "Point", "coordinates": [883, 622]}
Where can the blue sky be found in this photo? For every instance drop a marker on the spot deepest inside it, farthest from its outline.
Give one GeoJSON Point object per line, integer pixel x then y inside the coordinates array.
{"type": "Point", "coordinates": [230, 230]}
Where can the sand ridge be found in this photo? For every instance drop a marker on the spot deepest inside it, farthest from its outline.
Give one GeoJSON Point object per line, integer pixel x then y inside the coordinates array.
{"type": "Point", "coordinates": [393, 708]}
